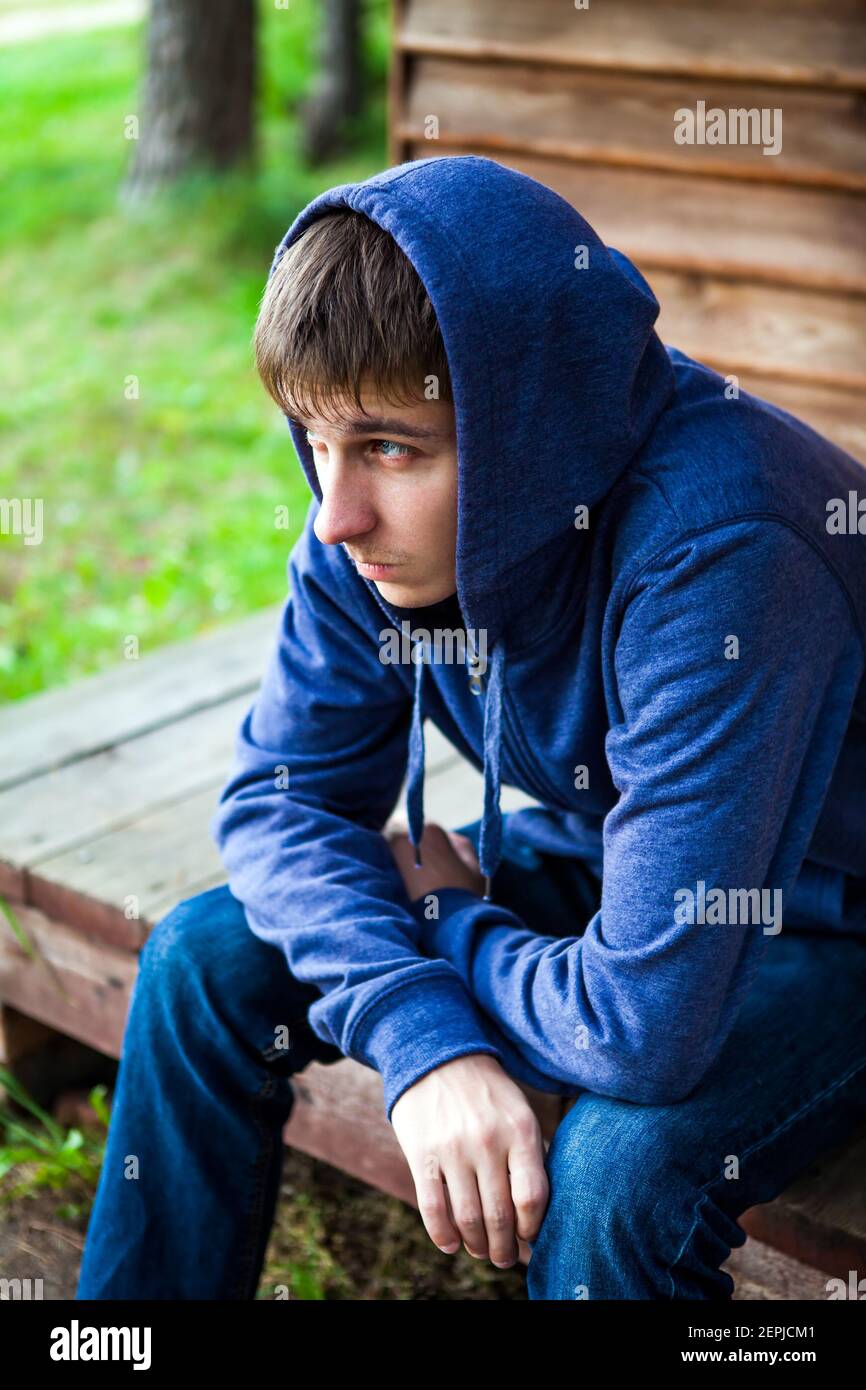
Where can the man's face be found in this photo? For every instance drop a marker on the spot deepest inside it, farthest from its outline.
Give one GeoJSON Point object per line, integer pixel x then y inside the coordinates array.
{"type": "Point", "coordinates": [389, 495]}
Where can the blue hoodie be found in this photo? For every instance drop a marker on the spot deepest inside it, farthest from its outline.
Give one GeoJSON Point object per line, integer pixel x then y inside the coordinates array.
{"type": "Point", "coordinates": [676, 677]}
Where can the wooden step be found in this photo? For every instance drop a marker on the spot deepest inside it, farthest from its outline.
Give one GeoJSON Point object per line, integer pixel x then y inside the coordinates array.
{"type": "Point", "coordinates": [83, 989]}
{"type": "Point", "coordinates": [110, 827]}
{"type": "Point", "coordinates": [629, 121]}
{"type": "Point", "coordinates": [786, 42]}
{"type": "Point", "coordinates": [821, 1219]}
{"type": "Point", "coordinates": [761, 1273]}
{"type": "Point", "coordinates": [150, 861]}
{"type": "Point", "coordinates": [49, 730]}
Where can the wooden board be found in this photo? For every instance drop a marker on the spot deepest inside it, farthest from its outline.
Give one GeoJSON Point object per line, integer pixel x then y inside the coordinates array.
{"type": "Point", "coordinates": [165, 854]}
{"type": "Point", "coordinates": [823, 1219]}
{"type": "Point", "coordinates": [79, 987]}
{"type": "Point", "coordinates": [761, 1273]}
{"type": "Point", "coordinates": [52, 729]}
{"type": "Point", "coordinates": [768, 330]}
{"type": "Point", "coordinates": [629, 120]}
{"type": "Point", "coordinates": [799, 42]}
{"type": "Point", "coordinates": [681, 222]}
{"type": "Point", "coordinates": [60, 811]}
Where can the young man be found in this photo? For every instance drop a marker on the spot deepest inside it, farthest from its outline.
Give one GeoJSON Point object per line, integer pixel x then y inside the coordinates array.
{"type": "Point", "coordinates": [668, 636]}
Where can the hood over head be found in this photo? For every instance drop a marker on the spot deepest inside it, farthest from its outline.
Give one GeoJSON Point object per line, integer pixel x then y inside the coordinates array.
{"type": "Point", "coordinates": [558, 377]}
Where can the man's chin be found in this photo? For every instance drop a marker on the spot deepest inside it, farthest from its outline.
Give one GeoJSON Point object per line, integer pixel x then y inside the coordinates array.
{"type": "Point", "coordinates": [401, 595]}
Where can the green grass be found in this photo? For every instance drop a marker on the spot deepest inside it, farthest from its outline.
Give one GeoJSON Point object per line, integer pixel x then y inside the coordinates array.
{"type": "Point", "coordinates": [44, 1154]}
{"type": "Point", "coordinates": [158, 511]}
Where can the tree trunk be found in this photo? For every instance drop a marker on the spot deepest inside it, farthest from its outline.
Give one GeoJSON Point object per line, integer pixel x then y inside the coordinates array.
{"type": "Point", "coordinates": [336, 95]}
{"type": "Point", "coordinates": [198, 92]}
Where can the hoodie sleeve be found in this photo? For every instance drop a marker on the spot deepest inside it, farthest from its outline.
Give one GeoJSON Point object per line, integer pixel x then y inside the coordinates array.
{"type": "Point", "coordinates": [319, 761]}
{"type": "Point", "coordinates": [728, 704]}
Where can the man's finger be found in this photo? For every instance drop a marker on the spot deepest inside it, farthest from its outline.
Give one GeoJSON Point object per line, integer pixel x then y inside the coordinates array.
{"type": "Point", "coordinates": [530, 1186]}
{"type": "Point", "coordinates": [433, 1205]}
{"type": "Point", "coordinates": [499, 1214]}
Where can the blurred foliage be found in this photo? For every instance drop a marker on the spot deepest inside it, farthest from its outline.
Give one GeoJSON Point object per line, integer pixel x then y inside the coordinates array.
{"type": "Point", "coordinates": [158, 511]}
{"type": "Point", "coordinates": [46, 1154]}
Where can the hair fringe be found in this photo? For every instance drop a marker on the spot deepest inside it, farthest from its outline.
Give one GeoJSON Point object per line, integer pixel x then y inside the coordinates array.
{"type": "Point", "coordinates": [345, 311]}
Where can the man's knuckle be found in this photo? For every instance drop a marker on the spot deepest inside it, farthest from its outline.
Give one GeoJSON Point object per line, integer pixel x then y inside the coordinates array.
{"type": "Point", "coordinates": [432, 1211]}
{"type": "Point", "coordinates": [501, 1217]}
{"type": "Point", "coordinates": [533, 1196]}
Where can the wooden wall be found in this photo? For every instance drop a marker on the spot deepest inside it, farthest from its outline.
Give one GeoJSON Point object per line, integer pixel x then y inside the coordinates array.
{"type": "Point", "coordinates": [758, 261]}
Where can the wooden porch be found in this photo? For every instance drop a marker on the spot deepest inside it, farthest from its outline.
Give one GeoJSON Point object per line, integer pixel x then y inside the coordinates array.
{"type": "Point", "coordinates": [106, 794]}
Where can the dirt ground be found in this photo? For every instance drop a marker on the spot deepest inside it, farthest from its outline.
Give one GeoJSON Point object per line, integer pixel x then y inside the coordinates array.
{"type": "Point", "coordinates": [333, 1238]}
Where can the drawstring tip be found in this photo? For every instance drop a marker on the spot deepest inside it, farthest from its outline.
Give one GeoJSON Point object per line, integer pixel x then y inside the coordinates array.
{"type": "Point", "coordinates": [418, 864]}
{"type": "Point", "coordinates": [487, 888]}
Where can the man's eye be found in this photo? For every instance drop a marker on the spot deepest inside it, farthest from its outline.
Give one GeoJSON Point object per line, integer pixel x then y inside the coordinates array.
{"type": "Point", "coordinates": [392, 449]}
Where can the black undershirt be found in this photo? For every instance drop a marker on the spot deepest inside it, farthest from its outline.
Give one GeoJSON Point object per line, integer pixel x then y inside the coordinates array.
{"type": "Point", "coordinates": [444, 614]}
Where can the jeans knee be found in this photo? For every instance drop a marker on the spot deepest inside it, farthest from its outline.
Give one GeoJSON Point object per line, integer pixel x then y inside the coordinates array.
{"type": "Point", "coordinates": [618, 1158]}
{"type": "Point", "coordinates": [630, 1215]}
{"type": "Point", "coordinates": [187, 946]}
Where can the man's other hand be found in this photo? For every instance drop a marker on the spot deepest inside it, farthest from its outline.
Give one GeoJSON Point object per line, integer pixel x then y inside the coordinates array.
{"type": "Point", "coordinates": [449, 861]}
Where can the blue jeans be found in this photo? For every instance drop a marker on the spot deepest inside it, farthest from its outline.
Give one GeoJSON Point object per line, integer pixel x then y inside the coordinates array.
{"type": "Point", "coordinates": [643, 1199]}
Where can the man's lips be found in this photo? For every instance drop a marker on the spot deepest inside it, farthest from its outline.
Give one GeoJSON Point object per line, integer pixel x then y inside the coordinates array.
{"type": "Point", "coordinates": [375, 570]}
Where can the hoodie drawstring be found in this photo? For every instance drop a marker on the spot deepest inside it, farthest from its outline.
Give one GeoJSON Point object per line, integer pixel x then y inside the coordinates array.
{"type": "Point", "coordinates": [490, 840]}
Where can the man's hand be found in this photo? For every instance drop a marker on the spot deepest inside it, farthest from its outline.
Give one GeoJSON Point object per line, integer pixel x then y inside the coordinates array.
{"type": "Point", "coordinates": [449, 861]}
{"type": "Point", "coordinates": [468, 1132]}
{"type": "Point", "coordinates": [475, 1150]}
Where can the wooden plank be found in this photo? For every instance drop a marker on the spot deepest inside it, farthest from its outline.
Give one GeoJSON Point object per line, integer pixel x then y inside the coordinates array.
{"type": "Point", "coordinates": [442, 763]}
{"type": "Point", "coordinates": [759, 1272]}
{"type": "Point", "coordinates": [680, 222]}
{"type": "Point", "coordinates": [58, 816]}
{"type": "Point", "coordinates": [162, 853]}
{"type": "Point", "coordinates": [768, 330]}
{"type": "Point", "coordinates": [339, 1118]}
{"type": "Point", "coordinates": [49, 730]}
{"type": "Point", "coordinates": [821, 1218]}
{"type": "Point", "coordinates": [785, 42]}
{"type": "Point", "coordinates": [146, 862]}
{"type": "Point", "coordinates": [62, 810]}
{"type": "Point", "coordinates": [81, 988]}
{"type": "Point", "coordinates": [630, 121]}
{"type": "Point", "coordinates": [167, 854]}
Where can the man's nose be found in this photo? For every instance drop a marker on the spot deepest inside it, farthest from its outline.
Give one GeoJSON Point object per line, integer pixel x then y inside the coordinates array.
{"type": "Point", "coordinates": [345, 510]}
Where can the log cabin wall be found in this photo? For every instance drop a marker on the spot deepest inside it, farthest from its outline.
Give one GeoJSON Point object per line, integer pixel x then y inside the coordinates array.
{"type": "Point", "coordinates": [758, 261]}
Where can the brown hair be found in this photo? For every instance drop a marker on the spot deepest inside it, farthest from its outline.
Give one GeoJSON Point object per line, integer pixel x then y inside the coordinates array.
{"type": "Point", "coordinates": [346, 307]}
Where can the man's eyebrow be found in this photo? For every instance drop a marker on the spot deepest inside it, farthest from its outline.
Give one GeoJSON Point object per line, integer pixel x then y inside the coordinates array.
{"type": "Point", "coordinates": [369, 424]}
